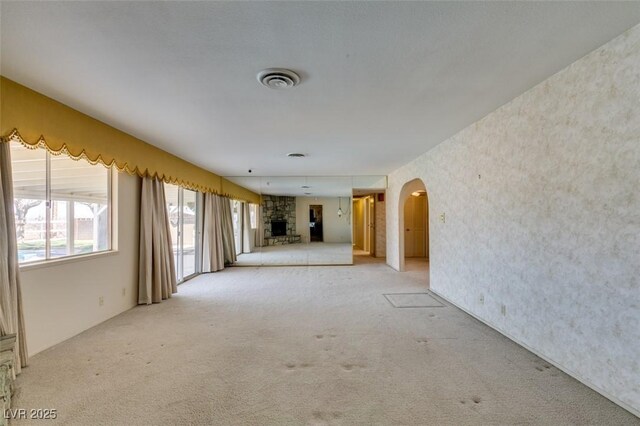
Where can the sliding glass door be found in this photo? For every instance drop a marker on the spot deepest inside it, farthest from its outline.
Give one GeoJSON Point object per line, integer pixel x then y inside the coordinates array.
{"type": "Point", "coordinates": [183, 210]}
{"type": "Point", "coordinates": [189, 232]}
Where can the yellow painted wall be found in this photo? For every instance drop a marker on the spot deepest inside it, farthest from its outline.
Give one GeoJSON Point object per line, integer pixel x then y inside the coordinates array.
{"type": "Point", "coordinates": [33, 118]}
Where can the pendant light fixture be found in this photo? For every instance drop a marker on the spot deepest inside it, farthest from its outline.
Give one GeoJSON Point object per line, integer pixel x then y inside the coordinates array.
{"type": "Point", "coordinates": [340, 212]}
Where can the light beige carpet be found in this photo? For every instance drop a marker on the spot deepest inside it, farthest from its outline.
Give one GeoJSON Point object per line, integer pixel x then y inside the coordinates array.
{"type": "Point", "coordinates": [303, 346]}
{"type": "Point", "coordinates": [315, 253]}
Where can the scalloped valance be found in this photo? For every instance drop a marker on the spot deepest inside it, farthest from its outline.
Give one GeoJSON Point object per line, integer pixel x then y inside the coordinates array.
{"type": "Point", "coordinates": [33, 119]}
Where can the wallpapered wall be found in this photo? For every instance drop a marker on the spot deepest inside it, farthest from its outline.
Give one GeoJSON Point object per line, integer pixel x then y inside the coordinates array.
{"type": "Point", "coordinates": [543, 216]}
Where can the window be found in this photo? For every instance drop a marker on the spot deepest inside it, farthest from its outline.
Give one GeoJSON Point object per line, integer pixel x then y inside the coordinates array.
{"type": "Point", "coordinates": [253, 215]}
{"type": "Point", "coordinates": [62, 206]}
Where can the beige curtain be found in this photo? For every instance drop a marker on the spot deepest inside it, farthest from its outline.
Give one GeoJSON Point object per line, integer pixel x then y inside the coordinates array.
{"type": "Point", "coordinates": [247, 241]}
{"type": "Point", "coordinates": [157, 272]}
{"type": "Point", "coordinates": [228, 240]}
{"type": "Point", "coordinates": [212, 246]}
{"type": "Point", "coordinates": [259, 237]}
{"type": "Point", "coordinates": [11, 313]}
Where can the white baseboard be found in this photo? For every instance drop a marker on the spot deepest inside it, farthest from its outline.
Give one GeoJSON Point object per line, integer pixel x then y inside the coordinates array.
{"type": "Point", "coordinates": [582, 380]}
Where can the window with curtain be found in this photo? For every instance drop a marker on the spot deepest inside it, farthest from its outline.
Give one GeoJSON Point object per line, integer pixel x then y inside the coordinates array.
{"type": "Point", "coordinates": [62, 206]}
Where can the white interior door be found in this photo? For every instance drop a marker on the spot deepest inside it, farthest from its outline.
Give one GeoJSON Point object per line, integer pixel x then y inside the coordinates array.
{"type": "Point", "coordinates": [415, 224]}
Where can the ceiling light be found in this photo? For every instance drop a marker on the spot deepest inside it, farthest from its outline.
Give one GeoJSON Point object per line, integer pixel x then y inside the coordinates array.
{"type": "Point", "coordinates": [418, 193]}
{"type": "Point", "coordinates": [278, 78]}
{"type": "Point", "coordinates": [305, 187]}
{"type": "Point", "coordinates": [307, 193]}
{"type": "Point", "coordinates": [295, 155]}
{"type": "Point", "coordinates": [340, 212]}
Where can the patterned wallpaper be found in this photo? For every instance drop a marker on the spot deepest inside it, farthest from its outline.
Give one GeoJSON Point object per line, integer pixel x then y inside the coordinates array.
{"type": "Point", "coordinates": [542, 203]}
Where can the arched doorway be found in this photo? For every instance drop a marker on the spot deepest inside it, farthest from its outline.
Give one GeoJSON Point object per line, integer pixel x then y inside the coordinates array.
{"type": "Point", "coordinates": [413, 224]}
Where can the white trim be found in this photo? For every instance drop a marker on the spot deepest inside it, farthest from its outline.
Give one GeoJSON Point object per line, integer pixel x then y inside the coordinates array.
{"type": "Point", "coordinates": [71, 234]}
{"type": "Point", "coordinates": [64, 260]}
{"type": "Point", "coordinates": [49, 205]}
{"type": "Point", "coordinates": [112, 191]}
{"type": "Point", "coordinates": [576, 376]}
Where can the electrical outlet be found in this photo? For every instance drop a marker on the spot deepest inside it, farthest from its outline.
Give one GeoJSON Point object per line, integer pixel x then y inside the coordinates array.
{"type": "Point", "coordinates": [442, 218]}
{"type": "Point", "coordinates": [503, 310]}
{"type": "Point", "coordinates": [124, 291]}
{"type": "Point", "coordinates": [482, 299]}
{"type": "Point", "coordinates": [101, 301]}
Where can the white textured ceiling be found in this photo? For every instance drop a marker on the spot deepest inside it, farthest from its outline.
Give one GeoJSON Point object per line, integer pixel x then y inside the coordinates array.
{"type": "Point", "coordinates": [381, 82]}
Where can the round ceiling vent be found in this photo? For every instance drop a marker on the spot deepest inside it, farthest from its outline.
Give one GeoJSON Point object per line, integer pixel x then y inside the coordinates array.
{"type": "Point", "coordinates": [278, 78]}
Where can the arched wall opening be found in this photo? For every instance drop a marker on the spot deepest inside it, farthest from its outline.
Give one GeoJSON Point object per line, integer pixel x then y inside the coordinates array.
{"type": "Point", "coordinates": [413, 203]}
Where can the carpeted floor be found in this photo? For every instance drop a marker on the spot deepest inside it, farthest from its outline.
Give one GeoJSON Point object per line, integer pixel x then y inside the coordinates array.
{"type": "Point", "coordinates": [315, 253]}
{"type": "Point", "coordinates": [303, 345]}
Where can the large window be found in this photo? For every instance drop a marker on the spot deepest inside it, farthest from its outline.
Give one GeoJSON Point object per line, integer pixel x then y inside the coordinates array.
{"type": "Point", "coordinates": [183, 208]}
{"type": "Point", "coordinates": [62, 206]}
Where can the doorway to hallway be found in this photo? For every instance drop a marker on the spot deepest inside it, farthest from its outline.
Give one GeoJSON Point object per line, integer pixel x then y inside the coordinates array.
{"type": "Point", "coordinates": [413, 227]}
{"type": "Point", "coordinates": [364, 225]}
{"type": "Point", "coordinates": [315, 223]}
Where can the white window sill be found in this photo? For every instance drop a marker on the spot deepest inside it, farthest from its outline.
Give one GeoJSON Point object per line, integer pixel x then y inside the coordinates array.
{"type": "Point", "coordinates": [50, 263]}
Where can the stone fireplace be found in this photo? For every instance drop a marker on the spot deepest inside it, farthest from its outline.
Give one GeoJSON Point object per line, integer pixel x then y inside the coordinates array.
{"type": "Point", "coordinates": [279, 216]}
